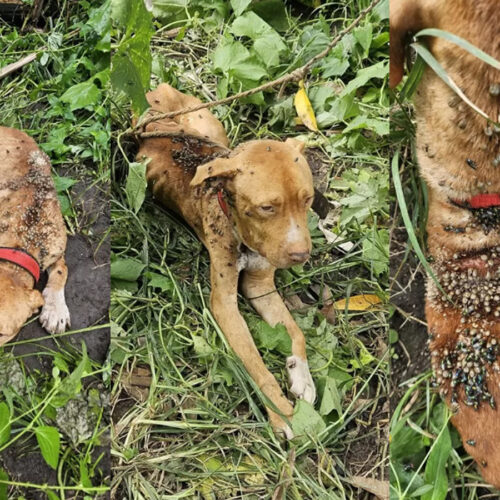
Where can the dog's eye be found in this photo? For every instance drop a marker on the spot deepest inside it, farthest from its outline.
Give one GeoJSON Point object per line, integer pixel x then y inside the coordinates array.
{"type": "Point", "coordinates": [308, 200]}
{"type": "Point", "coordinates": [268, 209]}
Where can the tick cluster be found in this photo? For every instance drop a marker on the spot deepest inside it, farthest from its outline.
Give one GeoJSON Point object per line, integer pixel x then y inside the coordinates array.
{"type": "Point", "coordinates": [475, 291]}
{"type": "Point", "coordinates": [191, 155]}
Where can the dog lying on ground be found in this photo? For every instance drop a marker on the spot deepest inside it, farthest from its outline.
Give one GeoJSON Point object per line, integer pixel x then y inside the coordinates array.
{"type": "Point", "coordinates": [459, 157]}
{"type": "Point", "coordinates": [32, 238]}
{"type": "Point", "coordinates": [249, 208]}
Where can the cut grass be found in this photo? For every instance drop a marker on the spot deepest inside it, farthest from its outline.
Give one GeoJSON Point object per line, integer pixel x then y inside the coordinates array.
{"type": "Point", "coordinates": [188, 420]}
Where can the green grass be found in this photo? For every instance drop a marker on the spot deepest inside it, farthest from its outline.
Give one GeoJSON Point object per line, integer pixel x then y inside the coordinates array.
{"type": "Point", "coordinates": [60, 100]}
{"type": "Point", "coordinates": [188, 420]}
{"type": "Point", "coordinates": [420, 428]}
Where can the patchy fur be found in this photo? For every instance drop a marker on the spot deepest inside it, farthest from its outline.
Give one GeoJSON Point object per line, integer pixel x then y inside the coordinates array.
{"type": "Point", "coordinates": [31, 220]}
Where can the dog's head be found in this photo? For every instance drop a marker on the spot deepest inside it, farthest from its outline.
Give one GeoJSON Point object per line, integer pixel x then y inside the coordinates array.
{"type": "Point", "coordinates": [17, 304]}
{"type": "Point", "coordinates": [270, 189]}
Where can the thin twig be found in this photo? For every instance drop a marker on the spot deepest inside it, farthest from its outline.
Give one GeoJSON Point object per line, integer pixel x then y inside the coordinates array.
{"type": "Point", "coordinates": [10, 68]}
{"type": "Point", "coordinates": [295, 75]}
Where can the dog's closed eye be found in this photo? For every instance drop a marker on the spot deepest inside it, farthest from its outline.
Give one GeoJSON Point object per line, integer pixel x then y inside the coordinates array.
{"type": "Point", "coordinates": [268, 209]}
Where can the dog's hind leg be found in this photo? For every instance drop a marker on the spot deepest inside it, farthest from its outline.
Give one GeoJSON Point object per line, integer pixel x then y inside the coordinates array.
{"type": "Point", "coordinates": [224, 303]}
{"type": "Point", "coordinates": [55, 314]}
{"type": "Point", "coordinates": [258, 286]}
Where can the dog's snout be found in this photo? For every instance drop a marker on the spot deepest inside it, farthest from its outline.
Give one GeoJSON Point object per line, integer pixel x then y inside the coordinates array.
{"type": "Point", "coordinates": [299, 256]}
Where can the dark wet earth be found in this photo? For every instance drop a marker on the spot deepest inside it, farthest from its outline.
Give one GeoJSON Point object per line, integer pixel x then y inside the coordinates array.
{"type": "Point", "coordinates": [87, 296]}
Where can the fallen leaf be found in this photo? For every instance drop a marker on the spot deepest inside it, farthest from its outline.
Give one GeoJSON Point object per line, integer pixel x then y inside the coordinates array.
{"type": "Point", "coordinates": [378, 488]}
{"type": "Point", "coordinates": [358, 302]}
{"type": "Point", "coordinates": [304, 108]}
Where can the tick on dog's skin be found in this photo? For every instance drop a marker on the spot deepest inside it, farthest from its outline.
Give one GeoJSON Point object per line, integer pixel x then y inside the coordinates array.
{"type": "Point", "coordinates": [238, 188]}
{"type": "Point", "coordinates": [471, 163]}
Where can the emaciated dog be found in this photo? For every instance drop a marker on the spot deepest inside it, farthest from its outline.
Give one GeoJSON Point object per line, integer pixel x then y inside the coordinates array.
{"type": "Point", "coordinates": [249, 208]}
{"type": "Point", "coordinates": [459, 157]}
{"type": "Point", "coordinates": [32, 238]}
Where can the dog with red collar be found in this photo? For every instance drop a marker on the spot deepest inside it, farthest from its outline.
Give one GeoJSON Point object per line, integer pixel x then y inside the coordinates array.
{"type": "Point", "coordinates": [32, 238]}
{"type": "Point", "coordinates": [249, 207]}
{"type": "Point", "coordinates": [459, 158]}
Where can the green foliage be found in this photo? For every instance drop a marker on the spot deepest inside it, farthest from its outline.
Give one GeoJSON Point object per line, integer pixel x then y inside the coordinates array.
{"type": "Point", "coordinates": [49, 442]}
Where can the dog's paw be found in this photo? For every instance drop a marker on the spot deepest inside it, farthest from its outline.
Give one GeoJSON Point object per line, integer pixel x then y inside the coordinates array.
{"type": "Point", "coordinates": [55, 314]}
{"type": "Point", "coordinates": [301, 382]}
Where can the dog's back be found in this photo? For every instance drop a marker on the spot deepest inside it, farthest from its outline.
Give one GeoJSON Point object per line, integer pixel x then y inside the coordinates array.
{"type": "Point", "coordinates": [196, 138]}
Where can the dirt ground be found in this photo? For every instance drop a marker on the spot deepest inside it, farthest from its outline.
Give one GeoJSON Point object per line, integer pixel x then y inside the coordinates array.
{"type": "Point", "coordinates": [408, 298]}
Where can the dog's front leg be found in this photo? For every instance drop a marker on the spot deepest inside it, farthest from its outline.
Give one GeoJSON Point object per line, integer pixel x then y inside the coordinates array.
{"type": "Point", "coordinates": [55, 315]}
{"type": "Point", "coordinates": [224, 303]}
{"type": "Point", "coordinates": [258, 286]}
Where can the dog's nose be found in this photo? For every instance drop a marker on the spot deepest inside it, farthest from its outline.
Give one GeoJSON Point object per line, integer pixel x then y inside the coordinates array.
{"type": "Point", "coordinates": [298, 256]}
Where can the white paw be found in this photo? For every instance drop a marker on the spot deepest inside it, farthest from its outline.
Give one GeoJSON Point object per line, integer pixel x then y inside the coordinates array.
{"type": "Point", "coordinates": [55, 315]}
{"type": "Point", "coordinates": [301, 382]}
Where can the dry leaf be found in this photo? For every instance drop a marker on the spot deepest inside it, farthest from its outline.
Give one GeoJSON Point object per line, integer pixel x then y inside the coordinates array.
{"type": "Point", "coordinates": [304, 108]}
{"type": "Point", "coordinates": [378, 488]}
{"type": "Point", "coordinates": [358, 302]}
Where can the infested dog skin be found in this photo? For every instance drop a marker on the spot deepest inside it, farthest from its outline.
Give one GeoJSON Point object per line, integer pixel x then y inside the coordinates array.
{"type": "Point", "coordinates": [459, 157]}
{"type": "Point", "coordinates": [31, 220]}
{"type": "Point", "coordinates": [268, 188]}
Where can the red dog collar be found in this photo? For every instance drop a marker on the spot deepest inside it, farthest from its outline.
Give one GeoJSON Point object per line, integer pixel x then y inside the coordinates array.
{"type": "Point", "coordinates": [486, 200]}
{"type": "Point", "coordinates": [22, 259]}
{"type": "Point", "coordinates": [222, 203]}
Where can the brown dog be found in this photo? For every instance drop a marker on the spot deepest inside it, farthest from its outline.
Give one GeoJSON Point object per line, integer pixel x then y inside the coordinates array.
{"type": "Point", "coordinates": [459, 157]}
{"type": "Point", "coordinates": [249, 207]}
{"type": "Point", "coordinates": [32, 238]}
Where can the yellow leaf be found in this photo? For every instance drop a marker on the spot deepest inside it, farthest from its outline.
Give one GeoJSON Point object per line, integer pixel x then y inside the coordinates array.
{"type": "Point", "coordinates": [358, 302]}
{"type": "Point", "coordinates": [304, 108]}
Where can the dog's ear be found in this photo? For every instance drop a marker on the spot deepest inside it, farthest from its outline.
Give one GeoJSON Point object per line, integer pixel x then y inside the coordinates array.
{"type": "Point", "coordinates": [220, 167]}
{"type": "Point", "coordinates": [405, 17]}
{"type": "Point", "coordinates": [295, 143]}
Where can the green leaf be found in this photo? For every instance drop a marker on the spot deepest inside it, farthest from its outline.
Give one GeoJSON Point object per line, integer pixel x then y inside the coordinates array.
{"type": "Point", "coordinates": [126, 269]}
{"type": "Point", "coordinates": [49, 442]}
{"type": "Point", "coordinates": [125, 77]}
{"type": "Point", "coordinates": [376, 71]}
{"type": "Point", "coordinates": [273, 338]}
{"type": "Point", "coordinates": [201, 346]}
{"type": "Point", "coordinates": [3, 486]}
{"type": "Point", "coordinates": [164, 283]}
{"type": "Point", "coordinates": [464, 44]}
{"type": "Point", "coordinates": [363, 35]}
{"type": "Point", "coordinates": [435, 469]}
{"type": "Point", "coordinates": [136, 185]}
{"type": "Point", "coordinates": [4, 423]}
{"type": "Point", "coordinates": [273, 12]}
{"type": "Point", "coordinates": [239, 6]}
{"type": "Point", "coordinates": [63, 183]}
{"type": "Point", "coordinates": [306, 420]}
{"type": "Point", "coordinates": [331, 399]}
{"type": "Point", "coordinates": [81, 95]}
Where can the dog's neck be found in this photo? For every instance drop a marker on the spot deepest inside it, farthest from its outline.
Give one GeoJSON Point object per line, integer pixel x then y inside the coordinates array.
{"type": "Point", "coordinates": [19, 276]}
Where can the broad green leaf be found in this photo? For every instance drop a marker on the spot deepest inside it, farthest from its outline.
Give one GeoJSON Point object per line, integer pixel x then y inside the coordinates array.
{"type": "Point", "coordinates": [376, 71]}
{"type": "Point", "coordinates": [273, 12]}
{"type": "Point", "coordinates": [201, 346]}
{"type": "Point", "coordinates": [274, 338]}
{"type": "Point", "coordinates": [306, 420]}
{"type": "Point", "coordinates": [363, 35]}
{"type": "Point", "coordinates": [136, 185]}
{"type": "Point", "coordinates": [81, 95]}
{"type": "Point", "coordinates": [126, 269]}
{"type": "Point", "coordinates": [379, 126]}
{"type": "Point", "coordinates": [239, 6]}
{"type": "Point", "coordinates": [4, 423]}
{"type": "Point", "coordinates": [125, 77]}
{"type": "Point", "coordinates": [164, 283]}
{"type": "Point", "coordinates": [49, 442]}
{"type": "Point", "coordinates": [331, 399]}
